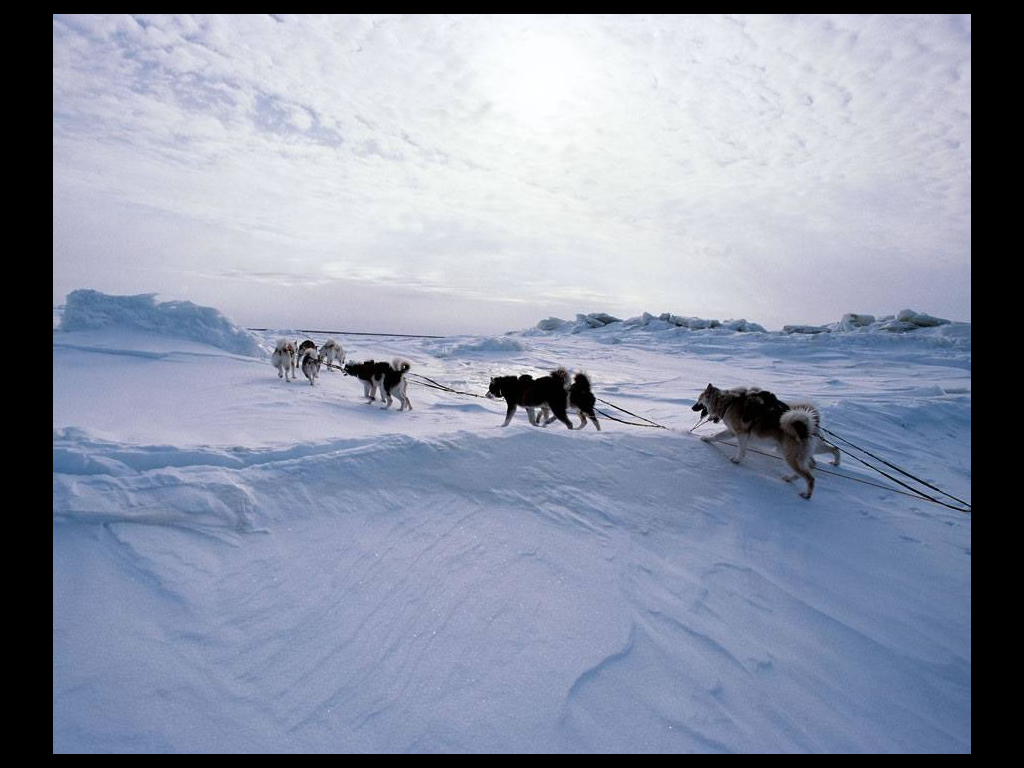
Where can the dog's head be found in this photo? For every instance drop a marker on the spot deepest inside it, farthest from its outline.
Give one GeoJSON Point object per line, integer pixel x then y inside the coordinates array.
{"type": "Point", "coordinates": [494, 388]}
{"type": "Point", "coordinates": [705, 402]}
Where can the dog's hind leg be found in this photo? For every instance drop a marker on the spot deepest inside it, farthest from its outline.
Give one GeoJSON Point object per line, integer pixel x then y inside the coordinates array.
{"type": "Point", "coordinates": [799, 463]}
{"type": "Point", "coordinates": [561, 415]}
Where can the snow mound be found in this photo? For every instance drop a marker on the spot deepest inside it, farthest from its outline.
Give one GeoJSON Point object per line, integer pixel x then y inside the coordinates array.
{"type": "Point", "coordinates": [485, 344]}
{"type": "Point", "coordinates": [88, 310]}
{"type": "Point", "coordinates": [552, 324]}
{"type": "Point", "coordinates": [903, 322]}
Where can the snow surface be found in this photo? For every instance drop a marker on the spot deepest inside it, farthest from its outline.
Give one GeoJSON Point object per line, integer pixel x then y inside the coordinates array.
{"type": "Point", "coordinates": [243, 564]}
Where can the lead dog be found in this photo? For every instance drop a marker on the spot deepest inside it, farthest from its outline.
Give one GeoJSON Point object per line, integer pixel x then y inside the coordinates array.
{"type": "Point", "coordinates": [532, 393]}
{"type": "Point", "coordinates": [284, 358]}
{"type": "Point", "coordinates": [752, 411]}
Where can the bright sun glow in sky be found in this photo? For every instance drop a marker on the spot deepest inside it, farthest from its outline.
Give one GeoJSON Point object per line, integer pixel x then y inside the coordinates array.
{"type": "Point", "coordinates": [478, 173]}
{"type": "Point", "coordinates": [542, 73]}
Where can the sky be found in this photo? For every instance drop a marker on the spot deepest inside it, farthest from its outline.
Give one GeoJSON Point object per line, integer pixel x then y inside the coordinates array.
{"type": "Point", "coordinates": [475, 174]}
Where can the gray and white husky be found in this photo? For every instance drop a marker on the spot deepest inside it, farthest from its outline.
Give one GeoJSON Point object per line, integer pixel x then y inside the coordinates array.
{"type": "Point", "coordinates": [749, 411]}
{"type": "Point", "coordinates": [309, 364]}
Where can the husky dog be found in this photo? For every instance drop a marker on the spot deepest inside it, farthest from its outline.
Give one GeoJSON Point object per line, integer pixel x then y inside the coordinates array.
{"type": "Point", "coordinates": [365, 373]}
{"type": "Point", "coordinates": [532, 393]}
{"type": "Point", "coordinates": [391, 380]}
{"type": "Point", "coordinates": [309, 363]}
{"type": "Point", "coordinates": [284, 358]}
{"type": "Point", "coordinates": [580, 399]}
{"type": "Point", "coordinates": [307, 344]}
{"type": "Point", "coordinates": [331, 352]}
{"type": "Point", "coordinates": [752, 411]}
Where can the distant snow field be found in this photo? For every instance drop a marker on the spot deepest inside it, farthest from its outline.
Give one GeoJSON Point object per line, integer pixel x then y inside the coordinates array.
{"type": "Point", "coordinates": [244, 564]}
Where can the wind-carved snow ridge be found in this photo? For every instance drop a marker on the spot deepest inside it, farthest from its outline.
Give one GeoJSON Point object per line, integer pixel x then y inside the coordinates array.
{"type": "Point", "coordinates": [88, 310]}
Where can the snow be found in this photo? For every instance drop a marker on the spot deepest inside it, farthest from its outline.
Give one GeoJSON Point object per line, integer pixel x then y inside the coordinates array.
{"type": "Point", "coordinates": [242, 564]}
{"type": "Point", "coordinates": [91, 310]}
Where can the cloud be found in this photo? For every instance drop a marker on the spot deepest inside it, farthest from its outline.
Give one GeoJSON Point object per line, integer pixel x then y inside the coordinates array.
{"type": "Point", "coordinates": [529, 157]}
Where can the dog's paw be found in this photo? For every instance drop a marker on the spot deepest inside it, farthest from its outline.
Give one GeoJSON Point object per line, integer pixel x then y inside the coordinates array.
{"type": "Point", "coordinates": [805, 495]}
{"type": "Point", "coordinates": [705, 439]}
{"type": "Point", "coordinates": [734, 459]}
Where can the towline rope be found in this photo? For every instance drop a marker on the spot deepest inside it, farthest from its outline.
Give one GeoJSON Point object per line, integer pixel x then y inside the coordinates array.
{"type": "Point", "coordinates": [818, 468]}
{"type": "Point", "coordinates": [893, 466]}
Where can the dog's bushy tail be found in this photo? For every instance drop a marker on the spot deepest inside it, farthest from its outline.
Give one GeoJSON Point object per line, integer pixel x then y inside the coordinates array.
{"type": "Point", "coordinates": [401, 365]}
{"type": "Point", "coordinates": [562, 375]}
{"type": "Point", "coordinates": [582, 380]}
{"type": "Point", "coordinates": [801, 421]}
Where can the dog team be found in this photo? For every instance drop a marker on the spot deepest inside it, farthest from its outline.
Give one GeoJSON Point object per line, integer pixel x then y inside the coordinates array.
{"type": "Point", "coordinates": [388, 378]}
{"type": "Point", "coordinates": [746, 411]}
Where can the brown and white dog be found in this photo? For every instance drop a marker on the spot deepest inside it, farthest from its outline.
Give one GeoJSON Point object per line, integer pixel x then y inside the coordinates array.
{"type": "Point", "coordinates": [749, 411]}
{"type": "Point", "coordinates": [284, 358]}
{"type": "Point", "coordinates": [332, 353]}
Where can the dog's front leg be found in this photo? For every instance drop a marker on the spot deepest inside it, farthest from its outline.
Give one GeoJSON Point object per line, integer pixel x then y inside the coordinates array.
{"type": "Point", "coordinates": [725, 433]}
{"type": "Point", "coordinates": [508, 415]}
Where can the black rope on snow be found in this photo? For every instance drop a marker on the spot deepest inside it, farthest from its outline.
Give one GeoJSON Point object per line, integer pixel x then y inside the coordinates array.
{"type": "Point", "coordinates": [892, 466]}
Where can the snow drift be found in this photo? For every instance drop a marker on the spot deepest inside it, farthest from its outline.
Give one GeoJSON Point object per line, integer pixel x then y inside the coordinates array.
{"type": "Point", "coordinates": [87, 310]}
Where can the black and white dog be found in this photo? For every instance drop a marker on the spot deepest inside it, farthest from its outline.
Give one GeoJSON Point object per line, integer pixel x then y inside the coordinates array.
{"type": "Point", "coordinates": [532, 393]}
{"type": "Point", "coordinates": [581, 400]}
{"type": "Point", "coordinates": [390, 378]}
{"type": "Point", "coordinates": [364, 371]}
{"type": "Point", "coordinates": [309, 364]}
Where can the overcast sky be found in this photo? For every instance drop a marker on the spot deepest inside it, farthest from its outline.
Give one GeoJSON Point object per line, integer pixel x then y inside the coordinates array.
{"type": "Point", "coordinates": [442, 174]}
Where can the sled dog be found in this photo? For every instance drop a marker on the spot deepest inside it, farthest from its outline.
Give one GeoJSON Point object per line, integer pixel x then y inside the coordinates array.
{"type": "Point", "coordinates": [309, 364]}
{"type": "Point", "coordinates": [284, 358]}
{"type": "Point", "coordinates": [532, 393]}
{"type": "Point", "coordinates": [580, 399]}
{"type": "Point", "coordinates": [749, 411]}
{"type": "Point", "coordinates": [332, 353]}
{"type": "Point", "coordinates": [391, 380]}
